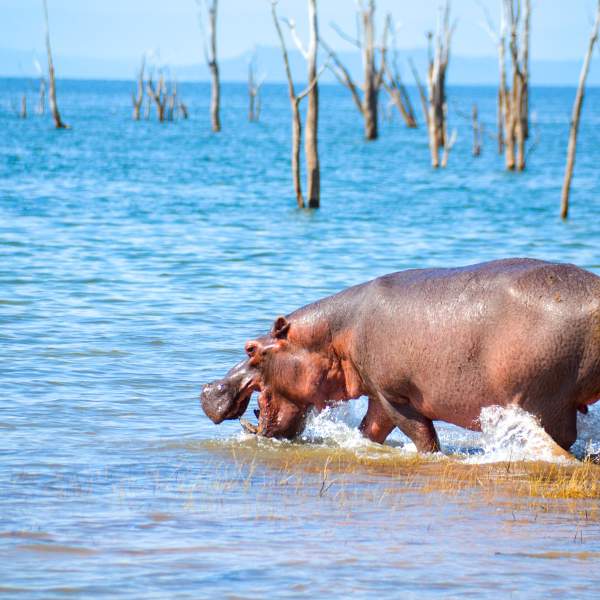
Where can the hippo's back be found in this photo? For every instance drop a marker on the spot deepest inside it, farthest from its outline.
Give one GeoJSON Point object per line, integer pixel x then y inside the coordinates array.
{"type": "Point", "coordinates": [519, 276]}
{"type": "Point", "coordinates": [485, 334]}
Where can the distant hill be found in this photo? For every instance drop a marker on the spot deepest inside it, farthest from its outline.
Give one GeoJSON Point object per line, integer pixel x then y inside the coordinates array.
{"type": "Point", "coordinates": [462, 70]}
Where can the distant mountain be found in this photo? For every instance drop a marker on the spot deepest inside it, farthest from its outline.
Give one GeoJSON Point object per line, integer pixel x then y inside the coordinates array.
{"type": "Point", "coordinates": [462, 70]}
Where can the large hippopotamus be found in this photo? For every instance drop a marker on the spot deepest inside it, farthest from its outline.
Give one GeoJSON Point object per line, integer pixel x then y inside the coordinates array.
{"type": "Point", "coordinates": [426, 345]}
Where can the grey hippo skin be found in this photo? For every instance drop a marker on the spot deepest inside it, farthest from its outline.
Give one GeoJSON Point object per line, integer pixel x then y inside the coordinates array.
{"type": "Point", "coordinates": [426, 345]}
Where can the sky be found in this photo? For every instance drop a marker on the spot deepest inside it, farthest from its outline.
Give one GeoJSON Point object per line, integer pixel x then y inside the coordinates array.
{"type": "Point", "coordinates": [124, 29]}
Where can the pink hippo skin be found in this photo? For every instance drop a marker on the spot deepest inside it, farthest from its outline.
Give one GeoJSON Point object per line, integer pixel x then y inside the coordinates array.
{"type": "Point", "coordinates": [426, 345]}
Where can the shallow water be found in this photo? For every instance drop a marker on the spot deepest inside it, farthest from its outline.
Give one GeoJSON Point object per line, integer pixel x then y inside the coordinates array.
{"type": "Point", "coordinates": [137, 258]}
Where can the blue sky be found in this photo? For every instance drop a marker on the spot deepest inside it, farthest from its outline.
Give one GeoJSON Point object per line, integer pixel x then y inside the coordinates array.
{"type": "Point", "coordinates": [123, 29]}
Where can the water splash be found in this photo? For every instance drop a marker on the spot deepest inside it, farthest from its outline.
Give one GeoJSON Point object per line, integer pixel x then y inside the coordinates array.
{"type": "Point", "coordinates": [511, 433]}
{"type": "Point", "coordinates": [507, 434]}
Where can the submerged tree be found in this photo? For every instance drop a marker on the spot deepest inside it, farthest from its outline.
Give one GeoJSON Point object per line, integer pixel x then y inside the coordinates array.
{"type": "Point", "coordinates": [437, 118]}
{"type": "Point", "coordinates": [394, 85]}
{"type": "Point", "coordinates": [255, 84]}
{"type": "Point", "coordinates": [210, 54]}
{"type": "Point", "coordinates": [137, 97]}
{"type": "Point", "coordinates": [311, 145]}
{"type": "Point", "coordinates": [373, 74]}
{"type": "Point", "coordinates": [158, 94]}
{"type": "Point", "coordinates": [513, 101]}
{"type": "Point", "coordinates": [577, 105]}
{"type": "Point", "coordinates": [58, 122]}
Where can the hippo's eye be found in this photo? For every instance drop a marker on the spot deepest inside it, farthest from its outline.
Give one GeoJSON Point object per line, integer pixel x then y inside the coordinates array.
{"type": "Point", "coordinates": [220, 387]}
{"type": "Point", "coordinates": [250, 349]}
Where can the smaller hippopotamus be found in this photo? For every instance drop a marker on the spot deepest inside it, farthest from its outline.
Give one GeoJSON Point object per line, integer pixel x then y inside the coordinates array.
{"type": "Point", "coordinates": [430, 344]}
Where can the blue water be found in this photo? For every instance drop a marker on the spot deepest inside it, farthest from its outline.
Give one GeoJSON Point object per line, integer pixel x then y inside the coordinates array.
{"type": "Point", "coordinates": [135, 261]}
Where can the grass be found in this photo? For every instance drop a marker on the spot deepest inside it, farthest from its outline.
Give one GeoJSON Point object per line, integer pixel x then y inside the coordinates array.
{"type": "Point", "coordinates": [382, 474]}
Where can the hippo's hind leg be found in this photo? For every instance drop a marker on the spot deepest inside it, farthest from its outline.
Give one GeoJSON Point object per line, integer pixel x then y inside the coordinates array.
{"type": "Point", "coordinates": [558, 419]}
{"type": "Point", "coordinates": [413, 424]}
{"type": "Point", "coordinates": [376, 424]}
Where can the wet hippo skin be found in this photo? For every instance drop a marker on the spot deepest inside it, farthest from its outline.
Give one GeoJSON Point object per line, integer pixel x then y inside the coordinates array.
{"type": "Point", "coordinates": [426, 345]}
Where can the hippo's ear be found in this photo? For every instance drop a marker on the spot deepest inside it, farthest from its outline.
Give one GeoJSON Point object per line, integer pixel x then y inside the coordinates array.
{"type": "Point", "coordinates": [281, 326]}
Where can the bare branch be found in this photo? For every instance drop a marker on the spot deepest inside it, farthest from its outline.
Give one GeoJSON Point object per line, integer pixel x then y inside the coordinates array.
{"type": "Point", "coordinates": [343, 75]}
{"type": "Point", "coordinates": [297, 41]}
{"type": "Point", "coordinates": [345, 36]}
{"type": "Point", "coordinates": [314, 82]}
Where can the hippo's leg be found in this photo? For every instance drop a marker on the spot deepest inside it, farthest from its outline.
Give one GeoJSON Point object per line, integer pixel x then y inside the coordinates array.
{"type": "Point", "coordinates": [560, 425]}
{"type": "Point", "coordinates": [376, 424]}
{"type": "Point", "coordinates": [414, 425]}
{"type": "Point", "coordinates": [558, 420]}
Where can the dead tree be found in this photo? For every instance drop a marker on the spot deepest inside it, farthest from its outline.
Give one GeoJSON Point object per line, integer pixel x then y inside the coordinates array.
{"type": "Point", "coordinates": [311, 149]}
{"type": "Point", "coordinates": [254, 85]}
{"type": "Point", "coordinates": [295, 105]}
{"type": "Point", "coordinates": [137, 97]}
{"type": "Point", "coordinates": [525, 67]}
{"type": "Point", "coordinates": [513, 102]}
{"type": "Point", "coordinates": [58, 122]}
{"type": "Point", "coordinates": [436, 79]}
{"type": "Point", "coordinates": [23, 111]}
{"type": "Point", "coordinates": [577, 105]}
{"type": "Point", "coordinates": [394, 85]}
{"type": "Point", "coordinates": [373, 75]}
{"type": "Point", "coordinates": [513, 99]}
{"type": "Point", "coordinates": [422, 92]}
{"type": "Point", "coordinates": [172, 101]}
{"type": "Point", "coordinates": [41, 107]}
{"type": "Point", "coordinates": [158, 95]}
{"type": "Point", "coordinates": [210, 55]}
{"type": "Point", "coordinates": [476, 132]}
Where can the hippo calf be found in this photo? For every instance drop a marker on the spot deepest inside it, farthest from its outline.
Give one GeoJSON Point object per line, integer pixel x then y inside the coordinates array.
{"type": "Point", "coordinates": [426, 345]}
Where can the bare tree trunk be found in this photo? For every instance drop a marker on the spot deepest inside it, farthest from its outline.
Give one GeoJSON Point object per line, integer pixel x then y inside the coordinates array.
{"type": "Point", "coordinates": [370, 96]}
{"type": "Point", "coordinates": [159, 95]}
{"type": "Point", "coordinates": [23, 111]}
{"type": "Point", "coordinates": [476, 132]}
{"type": "Point", "coordinates": [254, 87]}
{"type": "Point", "coordinates": [438, 110]}
{"type": "Point", "coordinates": [525, 62]}
{"type": "Point", "coordinates": [296, 122]}
{"type": "Point", "coordinates": [513, 99]}
{"type": "Point", "coordinates": [311, 147]}
{"type": "Point", "coordinates": [172, 101]}
{"type": "Point", "coordinates": [58, 122]}
{"type": "Point", "coordinates": [138, 98]}
{"type": "Point", "coordinates": [395, 87]}
{"type": "Point", "coordinates": [41, 107]}
{"type": "Point", "coordinates": [296, 137]}
{"type": "Point", "coordinates": [373, 77]}
{"type": "Point", "coordinates": [577, 105]}
{"type": "Point", "coordinates": [422, 93]}
{"type": "Point", "coordinates": [210, 53]}
{"type": "Point", "coordinates": [251, 92]}
{"type": "Point", "coordinates": [500, 124]}
{"type": "Point", "coordinates": [215, 97]}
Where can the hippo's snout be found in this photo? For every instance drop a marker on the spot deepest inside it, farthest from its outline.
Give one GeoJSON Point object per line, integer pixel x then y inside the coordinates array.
{"type": "Point", "coordinates": [214, 401]}
{"type": "Point", "coordinates": [228, 398]}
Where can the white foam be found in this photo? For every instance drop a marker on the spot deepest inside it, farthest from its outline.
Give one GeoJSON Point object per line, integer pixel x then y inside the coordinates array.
{"type": "Point", "coordinates": [507, 434]}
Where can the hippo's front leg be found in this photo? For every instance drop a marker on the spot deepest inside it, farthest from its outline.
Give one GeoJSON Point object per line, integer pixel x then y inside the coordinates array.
{"type": "Point", "coordinates": [376, 424]}
{"type": "Point", "coordinates": [413, 424]}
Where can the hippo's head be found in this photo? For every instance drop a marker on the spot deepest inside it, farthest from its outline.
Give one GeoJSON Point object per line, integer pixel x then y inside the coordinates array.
{"type": "Point", "coordinates": [291, 374]}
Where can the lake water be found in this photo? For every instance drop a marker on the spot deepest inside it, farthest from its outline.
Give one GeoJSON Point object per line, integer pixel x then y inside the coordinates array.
{"type": "Point", "coordinates": [135, 261]}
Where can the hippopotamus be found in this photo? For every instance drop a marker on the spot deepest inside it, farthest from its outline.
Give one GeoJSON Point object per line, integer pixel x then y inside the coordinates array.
{"type": "Point", "coordinates": [426, 345]}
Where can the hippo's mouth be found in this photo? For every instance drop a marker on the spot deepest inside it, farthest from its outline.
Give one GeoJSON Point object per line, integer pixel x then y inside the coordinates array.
{"type": "Point", "coordinates": [249, 427]}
